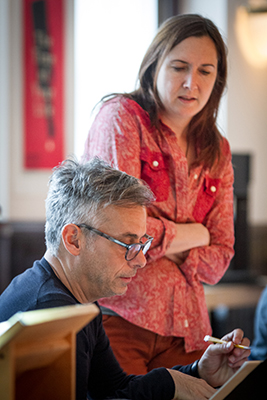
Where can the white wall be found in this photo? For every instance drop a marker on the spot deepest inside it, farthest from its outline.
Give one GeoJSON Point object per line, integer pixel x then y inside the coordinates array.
{"type": "Point", "coordinates": [108, 53]}
{"type": "Point", "coordinates": [216, 10]}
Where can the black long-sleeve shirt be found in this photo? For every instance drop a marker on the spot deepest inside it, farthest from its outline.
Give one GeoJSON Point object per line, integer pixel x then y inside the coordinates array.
{"type": "Point", "coordinates": [98, 373]}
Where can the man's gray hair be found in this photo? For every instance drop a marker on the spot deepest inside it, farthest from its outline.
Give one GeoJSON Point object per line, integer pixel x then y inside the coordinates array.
{"type": "Point", "coordinates": [77, 193]}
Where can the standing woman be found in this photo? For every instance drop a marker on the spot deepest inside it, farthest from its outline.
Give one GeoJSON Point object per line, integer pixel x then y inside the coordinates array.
{"type": "Point", "coordinates": [165, 133]}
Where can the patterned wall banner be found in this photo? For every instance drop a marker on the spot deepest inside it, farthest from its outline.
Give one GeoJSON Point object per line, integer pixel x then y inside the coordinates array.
{"type": "Point", "coordinates": [43, 83]}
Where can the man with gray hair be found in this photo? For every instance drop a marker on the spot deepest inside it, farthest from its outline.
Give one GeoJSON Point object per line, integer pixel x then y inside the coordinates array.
{"type": "Point", "coordinates": [96, 241]}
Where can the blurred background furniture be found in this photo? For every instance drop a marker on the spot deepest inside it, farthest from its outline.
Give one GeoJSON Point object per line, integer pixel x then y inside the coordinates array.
{"type": "Point", "coordinates": [21, 243]}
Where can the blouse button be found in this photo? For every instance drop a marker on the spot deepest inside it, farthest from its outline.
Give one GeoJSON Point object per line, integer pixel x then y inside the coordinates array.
{"type": "Point", "coordinates": [155, 163]}
{"type": "Point", "coordinates": [195, 176]}
{"type": "Point", "coordinates": [213, 189]}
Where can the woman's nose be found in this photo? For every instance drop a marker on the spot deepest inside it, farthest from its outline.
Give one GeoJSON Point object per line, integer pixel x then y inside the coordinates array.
{"type": "Point", "coordinates": [190, 81]}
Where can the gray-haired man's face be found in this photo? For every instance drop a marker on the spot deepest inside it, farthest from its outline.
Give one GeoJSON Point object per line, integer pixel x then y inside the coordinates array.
{"type": "Point", "coordinates": [105, 271]}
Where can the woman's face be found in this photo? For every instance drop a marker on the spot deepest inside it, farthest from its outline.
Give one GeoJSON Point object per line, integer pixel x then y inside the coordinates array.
{"type": "Point", "coordinates": [186, 78]}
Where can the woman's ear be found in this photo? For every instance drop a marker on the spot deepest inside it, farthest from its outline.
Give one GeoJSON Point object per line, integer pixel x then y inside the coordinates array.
{"type": "Point", "coordinates": [71, 238]}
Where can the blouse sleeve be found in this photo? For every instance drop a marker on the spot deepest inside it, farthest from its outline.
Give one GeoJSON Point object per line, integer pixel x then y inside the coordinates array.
{"type": "Point", "coordinates": [209, 263]}
{"type": "Point", "coordinates": [115, 137]}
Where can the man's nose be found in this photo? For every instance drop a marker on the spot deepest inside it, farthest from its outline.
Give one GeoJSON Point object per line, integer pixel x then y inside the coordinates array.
{"type": "Point", "coordinates": [139, 261]}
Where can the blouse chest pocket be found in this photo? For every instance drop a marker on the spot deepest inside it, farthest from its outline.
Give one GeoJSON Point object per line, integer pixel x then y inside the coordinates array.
{"type": "Point", "coordinates": [206, 198]}
{"type": "Point", "coordinates": [155, 174]}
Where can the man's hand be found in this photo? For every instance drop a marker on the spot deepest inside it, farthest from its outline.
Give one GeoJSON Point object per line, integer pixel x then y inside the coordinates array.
{"type": "Point", "coordinates": [221, 361]}
{"type": "Point", "coordinates": [190, 388]}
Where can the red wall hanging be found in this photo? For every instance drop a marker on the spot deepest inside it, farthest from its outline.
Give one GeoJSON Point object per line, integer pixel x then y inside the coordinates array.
{"type": "Point", "coordinates": [43, 83]}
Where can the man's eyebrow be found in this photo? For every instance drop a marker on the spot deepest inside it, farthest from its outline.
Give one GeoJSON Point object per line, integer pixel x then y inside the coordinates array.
{"type": "Point", "coordinates": [130, 235]}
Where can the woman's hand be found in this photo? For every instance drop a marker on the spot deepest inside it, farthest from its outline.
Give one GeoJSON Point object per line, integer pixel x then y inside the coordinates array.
{"type": "Point", "coordinates": [178, 258]}
{"type": "Point", "coordinates": [188, 236]}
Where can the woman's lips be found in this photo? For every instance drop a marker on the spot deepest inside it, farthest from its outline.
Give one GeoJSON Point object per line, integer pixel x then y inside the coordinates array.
{"type": "Point", "coordinates": [187, 99]}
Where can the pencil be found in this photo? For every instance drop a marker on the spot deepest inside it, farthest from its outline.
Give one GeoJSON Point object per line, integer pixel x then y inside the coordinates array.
{"type": "Point", "coordinates": [212, 339]}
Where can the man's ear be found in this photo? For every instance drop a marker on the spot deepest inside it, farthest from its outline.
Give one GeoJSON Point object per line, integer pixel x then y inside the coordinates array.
{"type": "Point", "coordinates": [71, 238]}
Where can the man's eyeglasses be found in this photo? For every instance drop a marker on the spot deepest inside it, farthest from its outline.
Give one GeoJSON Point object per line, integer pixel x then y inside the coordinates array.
{"type": "Point", "coordinates": [132, 249]}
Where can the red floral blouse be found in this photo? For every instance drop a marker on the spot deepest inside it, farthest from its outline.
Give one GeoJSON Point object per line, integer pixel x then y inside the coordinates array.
{"type": "Point", "coordinates": [164, 297]}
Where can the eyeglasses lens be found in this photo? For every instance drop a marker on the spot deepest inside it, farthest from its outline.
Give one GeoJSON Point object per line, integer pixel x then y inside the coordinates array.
{"type": "Point", "coordinates": [147, 246]}
{"type": "Point", "coordinates": [135, 249]}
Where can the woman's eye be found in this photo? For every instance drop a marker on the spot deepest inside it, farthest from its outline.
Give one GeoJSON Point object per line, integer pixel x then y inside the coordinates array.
{"type": "Point", "coordinates": [179, 68]}
{"type": "Point", "coordinates": [205, 72]}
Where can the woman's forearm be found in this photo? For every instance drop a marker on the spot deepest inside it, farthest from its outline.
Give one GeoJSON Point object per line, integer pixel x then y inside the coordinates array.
{"type": "Point", "coordinates": [188, 236]}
